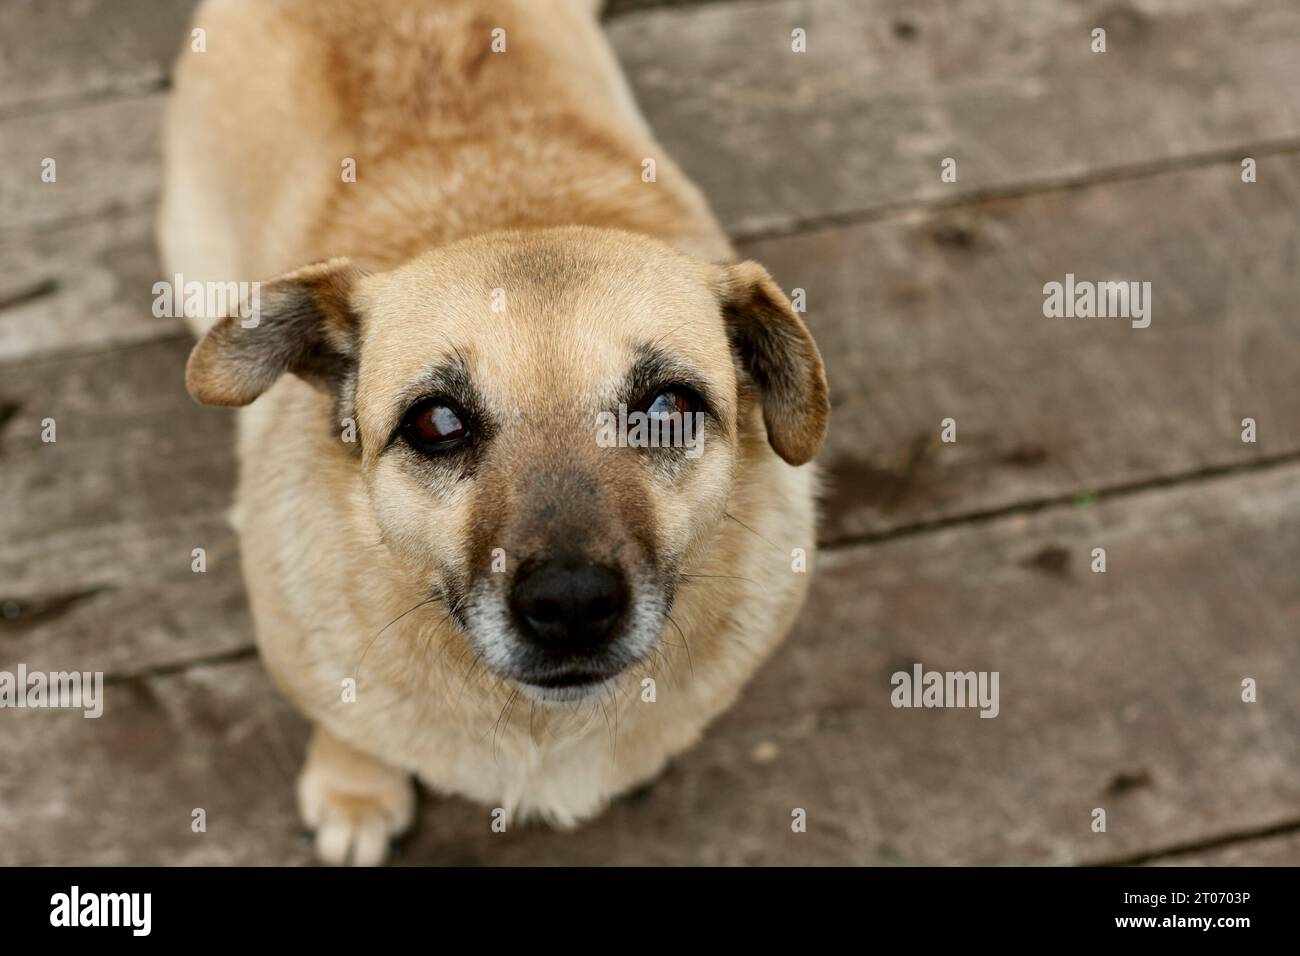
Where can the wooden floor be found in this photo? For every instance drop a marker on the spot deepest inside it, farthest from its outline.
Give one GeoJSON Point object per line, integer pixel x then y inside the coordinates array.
{"type": "Point", "coordinates": [1119, 690]}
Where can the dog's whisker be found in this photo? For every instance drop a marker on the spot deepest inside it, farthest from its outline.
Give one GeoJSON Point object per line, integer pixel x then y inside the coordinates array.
{"type": "Point", "coordinates": [656, 657]}
{"type": "Point", "coordinates": [504, 715]}
{"type": "Point", "coordinates": [725, 577]}
{"type": "Point", "coordinates": [728, 514]}
{"type": "Point", "coordinates": [668, 660]}
{"type": "Point", "coordinates": [685, 643]}
{"type": "Point", "coordinates": [418, 726]}
{"type": "Point", "coordinates": [590, 719]}
{"type": "Point", "coordinates": [427, 601]}
{"type": "Point", "coordinates": [609, 731]}
{"type": "Point", "coordinates": [467, 648]}
{"type": "Point", "coordinates": [614, 701]}
{"type": "Point", "coordinates": [670, 333]}
{"type": "Point", "coordinates": [475, 664]}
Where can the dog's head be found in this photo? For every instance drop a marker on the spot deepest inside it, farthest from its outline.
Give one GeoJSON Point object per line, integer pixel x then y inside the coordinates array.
{"type": "Point", "coordinates": [547, 424]}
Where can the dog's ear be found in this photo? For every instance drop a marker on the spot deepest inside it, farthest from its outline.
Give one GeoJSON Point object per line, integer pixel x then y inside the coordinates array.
{"type": "Point", "coordinates": [771, 343]}
{"type": "Point", "coordinates": [302, 322]}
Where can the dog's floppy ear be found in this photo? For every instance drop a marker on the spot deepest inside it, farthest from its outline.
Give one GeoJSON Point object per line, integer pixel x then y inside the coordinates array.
{"type": "Point", "coordinates": [301, 322]}
{"type": "Point", "coordinates": [771, 343]}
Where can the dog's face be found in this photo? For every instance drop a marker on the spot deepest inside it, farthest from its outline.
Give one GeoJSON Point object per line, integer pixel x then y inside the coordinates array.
{"type": "Point", "coordinates": [548, 424]}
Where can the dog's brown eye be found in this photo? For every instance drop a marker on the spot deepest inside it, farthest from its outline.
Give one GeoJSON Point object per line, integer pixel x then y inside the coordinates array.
{"type": "Point", "coordinates": [674, 399]}
{"type": "Point", "coordinates": [435, 425]}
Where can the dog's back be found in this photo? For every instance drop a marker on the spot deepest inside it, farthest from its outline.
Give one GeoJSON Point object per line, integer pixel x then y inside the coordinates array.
{"type": "Point", "coordinates": [308, 129]}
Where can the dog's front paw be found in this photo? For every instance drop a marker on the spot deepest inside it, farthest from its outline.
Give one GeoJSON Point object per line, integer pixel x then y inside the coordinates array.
{"type": "Point", "coordinates": [354, 803]}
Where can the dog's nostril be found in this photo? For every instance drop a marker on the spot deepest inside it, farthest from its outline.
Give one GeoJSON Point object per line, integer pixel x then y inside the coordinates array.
{"type": "Point", "coordinates": [569, 605]}
{"type": "Point", "coordinates": [545, 612]}
{"type": "Point", "coordinates": [602, 608]}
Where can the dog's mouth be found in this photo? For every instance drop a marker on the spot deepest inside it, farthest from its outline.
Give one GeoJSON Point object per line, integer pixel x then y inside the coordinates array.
{"type": "Point", "coordinates": [576, 677]}
{"type": "Point", "coordinates": [567, 686]}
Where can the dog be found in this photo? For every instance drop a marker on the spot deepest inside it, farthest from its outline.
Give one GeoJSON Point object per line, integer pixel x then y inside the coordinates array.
{"type": "Point", "coordinates": [449, 574]}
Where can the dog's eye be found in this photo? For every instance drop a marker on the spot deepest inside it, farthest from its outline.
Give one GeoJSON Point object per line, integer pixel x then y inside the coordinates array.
{"type": "Point", "coordinates": [435, 425]}
{"type": "Point", "coordinates": [674, 399]}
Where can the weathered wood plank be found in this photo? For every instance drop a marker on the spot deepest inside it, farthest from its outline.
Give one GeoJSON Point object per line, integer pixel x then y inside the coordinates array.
{"type": "Point", "coordinates": [123, 598]}
{"type": "Point", "coordinates": [163, 748]}
{"type": "Point", "coordinates": [56, 52]}
{"type": "Point", "coordinates": [106, 161]}
{"type": "Point", "coordinates": [1118, 690]}
{"type": "Point", "coordinates": [859, 122]}
{"type": "Point", "coordinates": [1010, 89]}
{"type": "Point", "coordinates": [80, 286]}
{"type": "Point", "coordinates": [928, 317]}
{"type": "Point", "coordinates": [98, 527]}
{"type": "Point", "coordinates": [131, 445]}
{"type": "Point", "coordinates": [1270, 851]}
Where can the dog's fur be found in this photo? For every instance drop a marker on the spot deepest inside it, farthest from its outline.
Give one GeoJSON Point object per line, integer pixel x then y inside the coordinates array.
{"type": "Point", "coordinates": [476, 171]}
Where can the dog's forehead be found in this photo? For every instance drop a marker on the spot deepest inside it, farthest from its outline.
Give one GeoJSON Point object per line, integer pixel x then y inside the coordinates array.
{"type": "Point", "coordinates": [529, 312]}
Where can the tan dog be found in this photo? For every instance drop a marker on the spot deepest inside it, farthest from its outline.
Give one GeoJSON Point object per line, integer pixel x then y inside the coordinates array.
{"type": "Point", "coordinates": [451, 573]}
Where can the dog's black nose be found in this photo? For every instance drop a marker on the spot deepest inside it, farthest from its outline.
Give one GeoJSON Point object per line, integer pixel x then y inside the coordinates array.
{"type": "Point", "coordinates": [569, 605]}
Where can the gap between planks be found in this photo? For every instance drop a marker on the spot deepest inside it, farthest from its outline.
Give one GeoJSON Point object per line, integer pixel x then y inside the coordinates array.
{"type": "Point", "coordinates": [171, 668]}
{"type": "Point", "coordinates": [1032, 506]}
{"type": "Point", "coordinates": [1219, 842]}
{"type": "Point", "coordinates": [1104, 176]}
